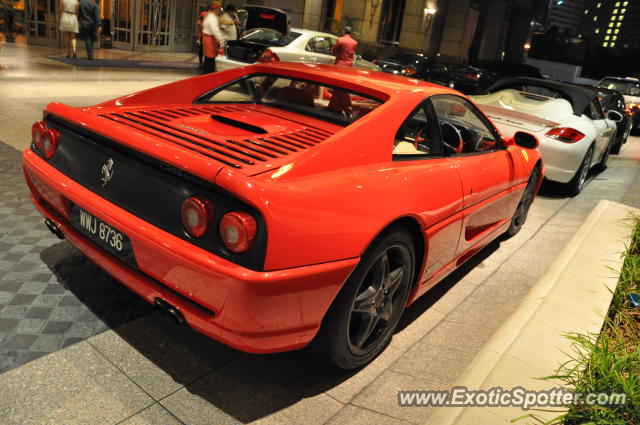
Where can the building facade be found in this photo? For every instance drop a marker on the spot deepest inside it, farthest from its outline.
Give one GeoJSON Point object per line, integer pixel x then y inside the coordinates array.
{"type": "Point", "coordinates": [566, 15]}
{"type": "Point", "coordinates": [613, 24]}
{"type": "Point", "coordinates": [455, 30]}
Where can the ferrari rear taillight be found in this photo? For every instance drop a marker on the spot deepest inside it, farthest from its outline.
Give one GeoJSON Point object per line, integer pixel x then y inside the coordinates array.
{"type": "Point", "coordinates": [45, 140]}
{"type": "Point", "coordinates": [565, 134]}
{"type": "Point", "coordinates": [268, 56]}
{"type": "Point", "coordinates": [197, 215]}
{"type": "Point", "coordinates": [50, 142]}
{"type": "Point", "coordinates": [238, 230]}
{"type": "Point", "coordinates": [473, 76]}
{"type": "Point", "coordinates": [37, 133]}
{"type": "Point", "coordinates": [221, 50]}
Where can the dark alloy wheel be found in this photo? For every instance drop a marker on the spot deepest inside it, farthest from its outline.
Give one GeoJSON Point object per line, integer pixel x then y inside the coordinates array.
{"type": "Point", "coordinates": [577, 182]}
{"type": "Point", "coordinates": [365, 313]}
{"type": "Point", "coordinates": [520, 216]}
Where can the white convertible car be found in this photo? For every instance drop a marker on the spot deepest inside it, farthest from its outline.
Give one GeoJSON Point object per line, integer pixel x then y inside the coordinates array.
{"type": "Point", "coordinates": [268, 38]}
{"type": "Point", "coordinates": [574, 132]}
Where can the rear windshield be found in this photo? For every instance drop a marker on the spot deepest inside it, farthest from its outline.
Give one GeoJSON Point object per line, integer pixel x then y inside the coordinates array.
{"type": "Point", "coordinates": [631, 88]}
{"type": "Point", "coordinates": [269, 37]}
{"type": "Point", "coordinates": [321, 101]}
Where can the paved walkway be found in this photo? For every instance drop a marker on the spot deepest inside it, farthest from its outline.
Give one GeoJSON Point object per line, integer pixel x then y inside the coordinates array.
{"type": "Point", "coordinates": [151, 371]}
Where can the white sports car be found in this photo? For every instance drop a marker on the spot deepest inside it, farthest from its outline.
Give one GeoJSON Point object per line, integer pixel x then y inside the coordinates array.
{"type": "Point", "coordinates": [268, 38]}
{"type": "Point", "coordinates": [574, 132]}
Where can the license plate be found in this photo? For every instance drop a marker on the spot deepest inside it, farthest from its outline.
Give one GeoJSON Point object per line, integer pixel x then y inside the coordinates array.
{"type": "Point", "coordinates": [105, 235]}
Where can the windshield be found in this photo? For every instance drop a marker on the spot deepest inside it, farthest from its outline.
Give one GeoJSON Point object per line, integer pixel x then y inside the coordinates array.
{"type": "Point", "coordinates": [627, 87]}
{"type": "Point", "coordinates": [305, 97]}
{"type": "Point", "coordinates": [270, 37]}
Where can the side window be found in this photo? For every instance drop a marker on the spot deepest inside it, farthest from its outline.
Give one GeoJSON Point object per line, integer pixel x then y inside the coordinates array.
{"type": "Point", "coordinates": [319, 44]}
{"type": "Point", "coordinates": [416, 136]}
{"type": "Point", "coordinates": [462, 128]}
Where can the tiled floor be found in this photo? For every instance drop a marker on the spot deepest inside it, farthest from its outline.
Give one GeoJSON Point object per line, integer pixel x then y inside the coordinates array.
{"type": "Point", "coordinates": [51, 296]}
{"type": "Point", "coordinates": [150, 371]}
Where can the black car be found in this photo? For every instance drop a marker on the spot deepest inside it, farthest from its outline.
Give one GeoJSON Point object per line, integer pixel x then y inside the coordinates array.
{"type": "Point", "coordinates": [630, 89]}
{"type": "Point", "coordinates": [613, 100]}
{"type": "Point", "coordinates": [420, 66]}
{"type": "Point", "coordinates": [414, 65]}
{"type": "Point", "coordinates": [478, 76]}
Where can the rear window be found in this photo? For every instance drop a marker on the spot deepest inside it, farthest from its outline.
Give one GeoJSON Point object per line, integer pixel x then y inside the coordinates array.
{"type": "Point", "coordinates": [321, 101]}
{"type": "Point", "coordinates": [269, 37]}
{"type": "Point", "coordinates": [631, 88]}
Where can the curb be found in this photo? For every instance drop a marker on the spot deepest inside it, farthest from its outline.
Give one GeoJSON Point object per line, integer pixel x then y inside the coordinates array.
{"type": "Point", "coordinates": [572, 296]}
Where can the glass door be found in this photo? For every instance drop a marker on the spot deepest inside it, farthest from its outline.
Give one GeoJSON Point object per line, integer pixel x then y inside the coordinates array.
{"type": "Point", "coordinates": [153, 25]}
{"type": "Point", "coordinates": [41, 22]}
{"type": "Point", "coordinates": [122, 24]}
{"type": "Point", "coordinates": [153, 30]}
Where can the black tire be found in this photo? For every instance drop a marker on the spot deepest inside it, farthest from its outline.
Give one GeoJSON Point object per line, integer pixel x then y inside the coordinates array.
{"type": "Point", "coordinates": [522, 210]}
{"type": "Point", "coordinates": [576, 184]}
{"type": "Point", "coordinates": [366, 311]}
{"type": "Point", "coordinates": [602, 165]}
{"type": "Point", "coordinates": [615, 149]}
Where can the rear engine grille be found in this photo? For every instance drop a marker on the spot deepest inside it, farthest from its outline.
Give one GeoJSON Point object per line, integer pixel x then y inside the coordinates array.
{"type": "Point", "coordinates": [236, 152]}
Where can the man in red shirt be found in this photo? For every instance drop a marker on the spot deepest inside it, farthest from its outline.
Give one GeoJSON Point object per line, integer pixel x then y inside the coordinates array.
{"type": "Point", "coordinates": [345, 48]}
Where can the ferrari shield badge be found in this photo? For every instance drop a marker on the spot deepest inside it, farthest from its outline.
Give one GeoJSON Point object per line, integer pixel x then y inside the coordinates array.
{"type": "Point", "coordinates": [525, 154]}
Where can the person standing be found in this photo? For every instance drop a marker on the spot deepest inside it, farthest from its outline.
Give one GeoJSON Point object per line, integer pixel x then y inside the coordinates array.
{"type": "Point", "coordinates": [68, 14]}
{"type": "Point", "coordinates": [200, 20]}
{"type": "Point", "coordinates": [89, 14]}
{"type": "Point", "coordinates": [345, 48]}
{"type": "Point", "coordinates": [212, 37]}
{"type": "Point", "coordinates": [229, 23]}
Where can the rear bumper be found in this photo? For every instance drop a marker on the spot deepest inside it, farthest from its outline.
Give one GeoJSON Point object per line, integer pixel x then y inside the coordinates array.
{"type": "Point", "coordinates": [562, 160]}
{"type": "Point", "coordinates": [258, 312]}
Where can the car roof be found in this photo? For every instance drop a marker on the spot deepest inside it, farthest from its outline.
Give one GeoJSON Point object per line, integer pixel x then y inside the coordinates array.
{"type": "Point", "coordinates": [379, 81]}
{"type": "Point", "coordinates": [580, 96]}
{"type": "Point", "coordinates": [310, 32]}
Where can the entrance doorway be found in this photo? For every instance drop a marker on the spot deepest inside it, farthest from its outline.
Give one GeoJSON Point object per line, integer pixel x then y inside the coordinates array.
{"type": "Point", "coordinates": [152, 25]}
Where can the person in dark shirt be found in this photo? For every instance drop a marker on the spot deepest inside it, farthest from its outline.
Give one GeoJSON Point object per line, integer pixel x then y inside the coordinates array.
{"type": "Point", "coordinates": [345, 48]}
{"type": "Point", "coordinates": [89, 21]}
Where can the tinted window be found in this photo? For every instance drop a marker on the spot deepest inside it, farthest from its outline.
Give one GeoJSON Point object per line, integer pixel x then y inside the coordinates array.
{"type": "Point", "coordinates": [627, 87]}
{"type": "Point", "coordinates": [306, 97]}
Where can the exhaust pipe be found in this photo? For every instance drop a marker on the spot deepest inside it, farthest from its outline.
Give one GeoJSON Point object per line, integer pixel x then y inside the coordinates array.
{"type": "Point", "coordinates": [54, 228]}
{"type": "Point", "coordinates": [169, 309]}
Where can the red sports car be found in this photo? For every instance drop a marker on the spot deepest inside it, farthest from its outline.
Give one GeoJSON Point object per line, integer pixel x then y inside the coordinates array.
{"type": "Point", "coordinates": [273, 206]}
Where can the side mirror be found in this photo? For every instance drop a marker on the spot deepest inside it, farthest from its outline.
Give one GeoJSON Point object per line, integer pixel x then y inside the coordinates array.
{"type": "Point", "coordinates": [614, 116]}
{"type": "Point", "coordinates": [525, 140]}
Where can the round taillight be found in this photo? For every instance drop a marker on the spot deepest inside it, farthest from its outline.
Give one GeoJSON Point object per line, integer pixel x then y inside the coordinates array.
{"type": "Point", "coordinates": [197, 215]}
{"type": "Point", "coordinates": [37, 133]}
{"type": "Point", "coordinates": [49, 142]}
{"type": "Point", "coordinates": [238, 231]}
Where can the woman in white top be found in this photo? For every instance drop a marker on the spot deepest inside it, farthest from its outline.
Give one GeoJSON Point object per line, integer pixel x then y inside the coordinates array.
{"type": "Point", "coordinates": [68, 12]}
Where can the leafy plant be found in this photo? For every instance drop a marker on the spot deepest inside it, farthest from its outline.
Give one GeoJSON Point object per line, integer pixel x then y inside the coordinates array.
{"type": "Point", "coordinates": [609, 362]}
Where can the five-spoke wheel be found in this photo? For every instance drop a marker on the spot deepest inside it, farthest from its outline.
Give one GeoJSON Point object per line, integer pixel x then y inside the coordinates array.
{"type": "Point", "coordinates": [365, 313]}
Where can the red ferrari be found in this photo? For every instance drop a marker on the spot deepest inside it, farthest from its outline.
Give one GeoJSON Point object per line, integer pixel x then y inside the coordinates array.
{"type": "Point", "coordinates": [274, 206]}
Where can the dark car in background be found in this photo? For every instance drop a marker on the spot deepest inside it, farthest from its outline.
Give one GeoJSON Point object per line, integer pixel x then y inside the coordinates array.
{"type": "Point", "coordinates": [613, 100]}
{"type": "Point", "coordinates": [479, 75]}
{"type": "Point", "coordinates": [630, 89]}
{"type": "Point", "coordinates": [473, 78]}
{"type": "Point", "coordinates": [414, 65]}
